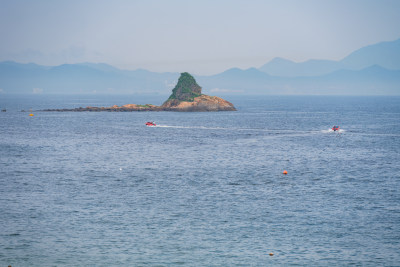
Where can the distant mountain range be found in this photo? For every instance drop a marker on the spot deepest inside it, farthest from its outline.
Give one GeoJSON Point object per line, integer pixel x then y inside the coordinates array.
{"type": "Point", "coordinates": [373, 80]}
{"type": "Point", "coordinates": [371, 70]}
{"type": "Point", "coordinates": [84, 78]}
{"type": "Point", "coordinates": [385, 54]}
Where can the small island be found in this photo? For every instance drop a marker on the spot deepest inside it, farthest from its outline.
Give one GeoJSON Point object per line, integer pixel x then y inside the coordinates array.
{"type": "Point", "coordinates": [185, 97]}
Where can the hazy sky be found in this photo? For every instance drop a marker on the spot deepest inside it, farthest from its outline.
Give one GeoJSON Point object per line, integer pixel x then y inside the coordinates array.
{"type": "Point", "coordinates": [202, 37]}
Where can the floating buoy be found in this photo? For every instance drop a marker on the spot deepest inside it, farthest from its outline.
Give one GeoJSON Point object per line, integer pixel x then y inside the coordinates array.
{"type": "Point", "coordinates": [271, 254]}
{"type": "Point", "coordinates": [31, 115]}
{"type": "Point", "coordinates": [285, 172]}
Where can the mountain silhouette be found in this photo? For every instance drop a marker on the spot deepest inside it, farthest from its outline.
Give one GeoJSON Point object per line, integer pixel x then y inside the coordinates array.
{"type": "Point", "coordinates": [371, 70]}
{"type": "Point", "coordinates": [384, 54]}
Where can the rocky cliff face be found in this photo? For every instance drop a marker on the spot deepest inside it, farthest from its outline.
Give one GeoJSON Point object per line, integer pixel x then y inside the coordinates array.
{"type": "Point", "coordinates": [187, 96]}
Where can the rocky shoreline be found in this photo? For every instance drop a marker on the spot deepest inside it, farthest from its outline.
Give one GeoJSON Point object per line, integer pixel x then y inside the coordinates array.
{"type": "Point", "coordinates": [185, 97]}
{"type": "Point", "coordinates": [202, 103]}
{"type": "Point", "coordinates": [115, 108]}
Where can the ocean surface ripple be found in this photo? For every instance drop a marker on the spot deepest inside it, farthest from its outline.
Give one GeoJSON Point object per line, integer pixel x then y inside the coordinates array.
{"type": "Point", "coordinates": [201, 189]}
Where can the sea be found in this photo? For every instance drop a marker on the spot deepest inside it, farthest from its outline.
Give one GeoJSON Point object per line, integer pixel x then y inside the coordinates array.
{"type": "Point", "coordinates": [200, 188]}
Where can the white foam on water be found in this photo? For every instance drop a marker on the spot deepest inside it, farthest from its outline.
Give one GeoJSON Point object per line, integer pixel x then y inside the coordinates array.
{"type": "Point", "coordinates": [332, 131]}
{"type": "Point", "coordinates": [276, 132]}
{"type": "Point", "coordinates": [272, 131]}
{"type": "Point", "coordinates": [190, 127]}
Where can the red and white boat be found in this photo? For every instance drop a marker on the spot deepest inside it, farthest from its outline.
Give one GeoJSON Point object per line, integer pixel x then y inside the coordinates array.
{"type": "Point", "coordinates": [150, 123]}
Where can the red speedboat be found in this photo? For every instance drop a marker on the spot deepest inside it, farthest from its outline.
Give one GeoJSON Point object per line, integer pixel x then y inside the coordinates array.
{"type": "Point", "coordinates": [150, 123]}
{"type": "Point", "coordinates": [335, 128]}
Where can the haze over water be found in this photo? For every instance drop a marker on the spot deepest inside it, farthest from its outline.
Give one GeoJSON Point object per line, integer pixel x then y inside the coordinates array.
{"type": "Point", "coordinates": [102, 189]}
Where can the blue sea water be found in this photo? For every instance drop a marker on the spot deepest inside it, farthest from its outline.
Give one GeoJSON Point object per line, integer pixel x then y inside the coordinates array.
{"type": "Point", "coordinates": [200, 189]}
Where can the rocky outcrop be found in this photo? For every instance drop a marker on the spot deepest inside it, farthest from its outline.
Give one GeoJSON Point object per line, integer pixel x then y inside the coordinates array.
{"type": "Point", "coordinates": [115, 108]}
{"type": "Point", "coordinates": [186, 96]}
{"type": "Point", "coordinates": [186, 89]}
{"type": "Point", "coordinates": [200, 103]}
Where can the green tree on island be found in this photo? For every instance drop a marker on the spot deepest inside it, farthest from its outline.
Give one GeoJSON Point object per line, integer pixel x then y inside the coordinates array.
{"type": "Point", "coordinates": [186, 89]}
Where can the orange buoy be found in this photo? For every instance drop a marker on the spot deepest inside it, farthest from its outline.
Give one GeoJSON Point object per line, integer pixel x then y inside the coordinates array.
{"type": "Point", "coordinates": [31, 115]}
{"type": "Point", "coordinates": [271, 254]}
{"type": "Point", "coordinates": [285, 172]}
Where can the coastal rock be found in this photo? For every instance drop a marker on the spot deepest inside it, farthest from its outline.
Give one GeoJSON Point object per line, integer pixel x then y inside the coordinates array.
{"type": "Point", "coordinates": [200, 103]}
{"type": "Point", "coordinates": [114, 108]}
{"type": "Point", "coordinates": [186, 89]}
{"type": "Point", "coordinates": [186, 96]}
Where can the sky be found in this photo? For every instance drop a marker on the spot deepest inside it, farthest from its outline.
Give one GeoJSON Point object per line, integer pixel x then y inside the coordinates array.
{"type": "Point", "coordinates": [202, 37]}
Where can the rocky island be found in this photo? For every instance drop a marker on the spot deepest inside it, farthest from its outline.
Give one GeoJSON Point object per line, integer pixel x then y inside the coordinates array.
{"type": "Point", "coordinates": [186, 96]}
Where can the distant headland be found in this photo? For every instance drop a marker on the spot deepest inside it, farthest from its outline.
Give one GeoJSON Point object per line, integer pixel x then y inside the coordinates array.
{"type": "Point", "coordinates": [186, 97]}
